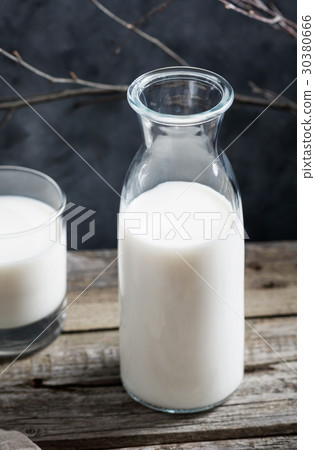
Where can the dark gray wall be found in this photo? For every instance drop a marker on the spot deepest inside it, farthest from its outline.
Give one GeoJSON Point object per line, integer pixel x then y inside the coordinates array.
{"type": "Point", "coordinates": [62, 35]}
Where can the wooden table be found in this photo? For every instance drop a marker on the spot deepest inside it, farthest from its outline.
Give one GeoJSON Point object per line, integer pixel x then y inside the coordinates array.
{"type": "Point", "coordinates": [69, 395]}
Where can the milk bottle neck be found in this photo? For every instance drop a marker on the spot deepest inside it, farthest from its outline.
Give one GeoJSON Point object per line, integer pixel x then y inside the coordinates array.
{"type": "Point", "coordinates": [205, 134]}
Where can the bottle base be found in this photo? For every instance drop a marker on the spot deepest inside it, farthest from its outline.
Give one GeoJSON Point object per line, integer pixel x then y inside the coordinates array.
{"type": "Point", "coordinates": [178, 411]}
{"type": "Point", "coordinates": [33, 337]}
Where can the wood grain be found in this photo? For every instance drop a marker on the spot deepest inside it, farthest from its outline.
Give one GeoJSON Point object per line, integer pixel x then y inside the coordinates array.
{"type": "Point", "coordinates": [264, 405]}
{"type": "Point", "coordinates": [275, 443]}
{"type": "Point", "coordinates": [270, 279]}
{"type": "Point", "coordinates": [92, 358]}
{"type": "Point", "coordinates": [270, 285]}
{"type": "Point", "coordinates": [69, 395]}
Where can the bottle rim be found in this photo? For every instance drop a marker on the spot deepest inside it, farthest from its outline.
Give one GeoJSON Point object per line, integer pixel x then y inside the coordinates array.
{"type": "Point", "coordinates": [187, 73]}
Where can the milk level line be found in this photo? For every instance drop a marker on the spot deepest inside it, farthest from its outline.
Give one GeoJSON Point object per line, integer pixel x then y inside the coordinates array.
{"type": "Point", "coordinates": [59, 135]}
{"type": "Point", "coordinates": [237, 137]}
{"type": "Point", "coordinates": [68, 306]}
{"type": "Point", "coordinates": [231, 307]}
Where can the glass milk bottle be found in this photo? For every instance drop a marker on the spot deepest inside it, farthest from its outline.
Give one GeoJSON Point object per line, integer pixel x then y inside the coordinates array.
{"type": "Point", "coordinates": [181, 247]}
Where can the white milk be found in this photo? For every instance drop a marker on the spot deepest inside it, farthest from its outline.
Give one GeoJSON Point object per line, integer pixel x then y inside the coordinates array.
{"type": "Point", "coordinates": [182, 328]}
{"type": "Point", "coordinates": [32, 264]}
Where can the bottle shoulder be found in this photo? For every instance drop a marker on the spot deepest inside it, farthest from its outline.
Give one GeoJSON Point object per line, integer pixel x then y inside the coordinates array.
{"type": "Point", "coordinates": [150, 167]}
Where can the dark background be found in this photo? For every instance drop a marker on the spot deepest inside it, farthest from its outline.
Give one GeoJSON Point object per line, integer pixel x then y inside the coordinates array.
{"type": "Point", "coordinates": [61, 35]}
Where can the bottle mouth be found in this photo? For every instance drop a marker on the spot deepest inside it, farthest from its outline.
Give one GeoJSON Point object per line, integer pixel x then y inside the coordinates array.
{"type": "Point", "coordinates": [180, 95]}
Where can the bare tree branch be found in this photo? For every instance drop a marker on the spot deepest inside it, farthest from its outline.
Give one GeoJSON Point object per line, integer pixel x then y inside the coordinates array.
{"type": "Point", "coordinates": [156, 9]}
{"type": "Point", "coordinates": [92, 89]}
{"type": "Point", "coordinates": [101, 99]}
{"type": "Point", "coordinates": [136, 30]}
{"type": "Point", "coordinates": [255, 9]}
{"type": "Point", "coordinates": [270, 95]}
{"type": "Point", "coordinates": [49, 97]}
{"type": "Point", "coordinates": [280, 104]}
{"type": "Point", "coordinates": [16, 57]}
{"type": "Point", "coordinates": [104, 96]}
{"type": "Point", "coordinates": [6, 117]}
{"type": "Point", "coordinates": [258, 10]}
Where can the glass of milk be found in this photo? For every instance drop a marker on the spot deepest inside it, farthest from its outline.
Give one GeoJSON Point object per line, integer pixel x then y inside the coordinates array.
{"type": "Point", "coordinates": [181, 247]}
{"type": "Point", "coordinates": [33, 254]}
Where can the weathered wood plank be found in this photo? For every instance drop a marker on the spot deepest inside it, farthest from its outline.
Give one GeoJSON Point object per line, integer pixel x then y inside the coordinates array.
{"type": "Point", "coordinates": [264, 405]}
{"type": "Point", "coordinates": [270, 279]}
{"type": "Point", "coordinates": [275, 443]}
{"type": "Point", "coordinates": [93, 357]}
{"type": "Point", "coordinates": [69, 395]}
{"type": "Point", "coordinates": [268, 340]}
{"type": "Point", "coordinates": [270, 285]}
{"type": "Point", "coordinates": [98, 307]}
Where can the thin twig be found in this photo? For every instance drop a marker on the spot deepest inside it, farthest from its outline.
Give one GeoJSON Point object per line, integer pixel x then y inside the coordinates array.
{"type": "Point", "coordinates": [100, 99]}
{"type": "Point", "coordinates": [136, 30]}
{"type": "Point", "coordinates": [92, 89]}
{"type": "Point", "coordinates": [9, 103]}
{"type": "Point", "coordinates": [6, 118]}
{"type": "Point", "coordinates": [16, 57]}
{"type": "Point", "coordinates": [288, 21]}
{"type": "Point", "coordinates": [49, 97]}
{"type": "Point", "coordinates": [258, 10]}
{"type": "Point", "coordinates": [284, 105]}
{"type": "Point", "coordinates": [156, 9]}
{"type": "Point", "coordinates": [270, 95]}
